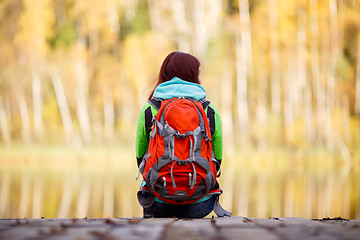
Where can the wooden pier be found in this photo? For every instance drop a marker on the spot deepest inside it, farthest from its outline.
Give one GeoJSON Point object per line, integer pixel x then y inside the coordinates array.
{"type": "Point", "coordinates": [174, 229]}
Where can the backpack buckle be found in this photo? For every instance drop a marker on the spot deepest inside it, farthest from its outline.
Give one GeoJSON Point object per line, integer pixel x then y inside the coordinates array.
{"type": "Point", "coordinates": [179, 135]}
{"type": "Point", "coordinates": [182, 162]}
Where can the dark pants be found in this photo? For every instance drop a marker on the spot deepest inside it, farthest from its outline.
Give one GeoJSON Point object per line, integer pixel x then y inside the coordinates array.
{"type": "Point", "coordinates": [195, 210]}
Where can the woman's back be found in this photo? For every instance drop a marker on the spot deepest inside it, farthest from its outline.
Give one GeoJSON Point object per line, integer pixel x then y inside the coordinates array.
{"type": "Point", "coordinates": [175, 153]}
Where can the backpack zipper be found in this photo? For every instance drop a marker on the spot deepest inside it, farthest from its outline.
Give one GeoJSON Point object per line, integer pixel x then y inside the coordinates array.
{"type": "Point", "coordinates": [164, 180]}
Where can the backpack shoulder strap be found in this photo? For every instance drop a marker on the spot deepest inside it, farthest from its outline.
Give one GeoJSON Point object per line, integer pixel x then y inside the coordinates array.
{"type": "Point", "coordinates": [210, 113]}
{"type": "Point", "coordinates": [211, 116]}
{"type": "Point", "coordinates": [205, 103]}
{"type": "Point", "coordinates": [148, 120]}
{"type": "Point", "coordinates": [156, 103]}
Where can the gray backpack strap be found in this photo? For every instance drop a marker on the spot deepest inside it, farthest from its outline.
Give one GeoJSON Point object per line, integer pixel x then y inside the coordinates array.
{"type": "Point", "coordinates": [219, 211]}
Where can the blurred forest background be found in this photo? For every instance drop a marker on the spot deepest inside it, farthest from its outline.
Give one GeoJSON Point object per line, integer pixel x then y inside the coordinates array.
{"type": "Point", "coordinates": [284, 75]}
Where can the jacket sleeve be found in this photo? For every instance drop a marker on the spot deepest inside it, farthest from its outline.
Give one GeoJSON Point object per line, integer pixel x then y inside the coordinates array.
{"type": "Point", "coordinates": [217, 137]}
{"type": "Point", "coordinates": [142, 138]}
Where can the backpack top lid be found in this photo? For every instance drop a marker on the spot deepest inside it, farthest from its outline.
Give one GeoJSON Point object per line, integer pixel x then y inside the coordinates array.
{"type": "Point", "coordinates": [156, 103]}
{"type": "Point", "coordinates": [182, 117]}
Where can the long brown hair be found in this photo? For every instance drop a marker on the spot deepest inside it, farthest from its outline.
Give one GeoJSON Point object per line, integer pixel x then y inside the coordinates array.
{"type": "Point", "coordinates": [179, 64]}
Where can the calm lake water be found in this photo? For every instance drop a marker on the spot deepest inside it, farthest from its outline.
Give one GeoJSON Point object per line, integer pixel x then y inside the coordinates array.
{"type": "Point", "coordinates": [102, 184]}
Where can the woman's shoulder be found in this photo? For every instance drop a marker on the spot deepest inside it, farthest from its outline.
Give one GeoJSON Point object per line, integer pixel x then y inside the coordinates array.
{"type": "Point", "coordinates": [144, 107]}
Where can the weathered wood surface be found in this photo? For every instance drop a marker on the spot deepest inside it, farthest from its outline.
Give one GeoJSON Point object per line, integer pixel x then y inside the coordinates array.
{"type": "Point", "coordinates": [173, 229]}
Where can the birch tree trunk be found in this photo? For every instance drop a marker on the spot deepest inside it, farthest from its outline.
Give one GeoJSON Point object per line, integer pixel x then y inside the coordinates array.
{"type": "Point", "coordinates": [37, 105]}
{"type": "Point", "coordinates": [5, 131]}
{"type": "Point", "coordinates": [63, 107]}
{"type": "Point", "coordinates": [241, 89]}
{"type": "Point", "coordinates": [245, 31]}
{"type": "Point", "coordinates": [261, 109]}
{"type": "Point", "coordinates": [181, 25]}
{"type": "Point", "coordinates": [357, 89]}
{"type": "Point", "coordinates": [274, 57]}
{"type": "Point", "coordinates": [81, 95]}
{"type": "Point", "coordinates": [113, 17]}
{"type": "Point", "coordinates": [300, 62]}
{"type": "Point", "coordinates": [308, 115]}
{"type": "Point", "coordinates": [243, 67]}
{"type": "Point", "coordinates": [322, 104]}
{"type": "Point", "coordinates": [155, 15]}
{"type": "Point", "coordinates": [289, 97]}
{"type": "Point", "coordinates": [200, 38]}
{"type": "Point", "coordinates": [60, 12]}
{"type": "Point", "coordinates": [303, 96]}
{"type": "Point", "coordinates": [315, 65]}
{"type": "Point", "coordinates": [109, 115]}
{"type": "Point", "coordinates": [331, 71]}
{"type": "Point", "coordinates": [24, 115]}
{"type": "Point", "coordinates": [226, 106]}
{"type": "Point", "coordinates": [346, 118]}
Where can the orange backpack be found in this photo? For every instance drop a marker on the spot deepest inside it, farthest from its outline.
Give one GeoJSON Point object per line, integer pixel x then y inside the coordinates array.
{"type": "Point", "coordinates": [179, 166]}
